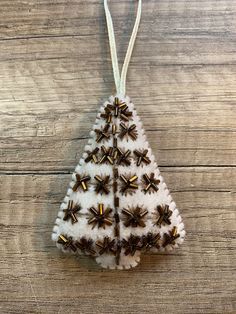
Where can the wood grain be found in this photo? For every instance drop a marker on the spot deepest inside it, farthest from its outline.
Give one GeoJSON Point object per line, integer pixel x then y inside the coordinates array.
{"type": "Point", "coordinates": [55, 72]}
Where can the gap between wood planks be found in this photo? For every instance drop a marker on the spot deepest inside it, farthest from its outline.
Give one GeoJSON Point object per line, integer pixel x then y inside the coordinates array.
{"type": "Point", "coordinates": [29, 172]}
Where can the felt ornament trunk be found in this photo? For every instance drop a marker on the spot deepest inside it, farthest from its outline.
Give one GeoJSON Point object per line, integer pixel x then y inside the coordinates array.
{"type": "Point", "coordinates": [117, 204]}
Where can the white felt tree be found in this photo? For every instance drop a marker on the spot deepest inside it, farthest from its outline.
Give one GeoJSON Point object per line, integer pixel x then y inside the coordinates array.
{"type": "Point", "coordinates": [117, 204]}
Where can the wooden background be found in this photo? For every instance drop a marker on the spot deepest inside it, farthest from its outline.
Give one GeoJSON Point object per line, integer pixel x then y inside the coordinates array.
{"type": "Point", "coordinates": [55, 72]}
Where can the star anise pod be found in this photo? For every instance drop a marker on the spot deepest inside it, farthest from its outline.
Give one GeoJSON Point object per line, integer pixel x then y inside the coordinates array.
{"type": "Point", "coordinates": [92, 156]}
{"type": "Point", "coordinates": [70, 212]}
{"type": "Point", "coordinates": [129, 131]}
{"type": "Point", "coordinates": [85, 245]}
{"type": "Point", "coordinates": [125, 114]}
{"type": "Point", "coordinates": [81, 182]}
{"type": "Point", "coordinates": [117, 105]}
{"type": "Point", "coordinates": [103, 134]}
{"type": "Point", "coordinates": [107, 155]}
{"type": "Point", "coordinates": [100, 217]}
{"type": "Point", "coordinates": [150, 183]}
{"type": "Point", "coordinates": [131, 245]}
{"type": "Point", "coordinates": [164, 215]}
{"type": "Point", "coordinates": [142, 156]}
{"type": "Point", "coordinates": [169, 238]}
{"type": "Point", "coordinates": [134, 217]}
{"type": "Point", "coordinates": [101, 186]}
{"type": "Point", "coordinates": [128, 185]}
{"type": "Point", "coordinates": [121, 110]}
{"type": "Point", "coordinates": [123, 157]}
{"type": "Point", "coordinates": [106, 246]}
{"type": "Point", "coordinates": [107, 115]}
{"type": "Point", "coordinates": [151, 240]}
{"type": "Point", "coordinates": [66, 242]}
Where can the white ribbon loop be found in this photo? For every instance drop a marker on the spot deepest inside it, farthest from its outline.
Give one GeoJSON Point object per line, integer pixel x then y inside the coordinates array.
{"type": "Point", "coordinates": [120, 81]}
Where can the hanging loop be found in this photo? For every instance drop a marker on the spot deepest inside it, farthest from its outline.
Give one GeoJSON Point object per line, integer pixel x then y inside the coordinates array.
{"type": "Point", "coordinates": [120, 81]}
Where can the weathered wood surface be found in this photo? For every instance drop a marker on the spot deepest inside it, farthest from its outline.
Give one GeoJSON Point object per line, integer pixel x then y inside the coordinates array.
{"type": "Point", "coordinates": [55, 72]}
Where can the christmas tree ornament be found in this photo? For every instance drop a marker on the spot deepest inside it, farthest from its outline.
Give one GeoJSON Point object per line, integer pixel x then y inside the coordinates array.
{"type": "Point", "coordinates": [117, 204]}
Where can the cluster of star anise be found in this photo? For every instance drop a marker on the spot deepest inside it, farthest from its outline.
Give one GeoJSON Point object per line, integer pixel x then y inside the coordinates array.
{"type": "Point", "coordinates": [130, 245]}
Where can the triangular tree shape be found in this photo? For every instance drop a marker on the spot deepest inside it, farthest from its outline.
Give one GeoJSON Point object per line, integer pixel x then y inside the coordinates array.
{"type": "Point", "coordinates": [117, 204]}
